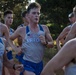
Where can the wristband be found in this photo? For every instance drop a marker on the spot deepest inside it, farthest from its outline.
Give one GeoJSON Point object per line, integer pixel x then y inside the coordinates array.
{"type": "Point", "coordinates": [14, 67]}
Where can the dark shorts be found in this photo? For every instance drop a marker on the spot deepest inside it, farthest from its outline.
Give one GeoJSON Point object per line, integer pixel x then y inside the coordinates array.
{"type": "Point", "coordinates": [19, 57]}
{"type": "Point", "coordinates": [32, 67]}
{"type": "Point", "coordinates": [9, 55]}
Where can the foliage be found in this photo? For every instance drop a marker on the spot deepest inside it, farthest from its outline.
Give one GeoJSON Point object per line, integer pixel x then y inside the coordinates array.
{"type": "Point", "coordinates": [17, 6]}
{"type": "Point", "coordinates": [55, 13]}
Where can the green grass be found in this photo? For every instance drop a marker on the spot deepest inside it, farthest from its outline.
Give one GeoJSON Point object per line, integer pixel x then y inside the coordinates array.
{"type": "Point", "coordinates": [49, 53]}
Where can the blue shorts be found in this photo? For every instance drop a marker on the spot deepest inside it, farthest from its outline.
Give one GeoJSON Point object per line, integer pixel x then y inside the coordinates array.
{"type": "Point", "coordinates": [70, 70]}
{"type": "Point", "coordinates": [19, 57]}
{"type": "Point", "coordinates": [33, 67]}
{"type": "Point", "coordinates": [9, 55]}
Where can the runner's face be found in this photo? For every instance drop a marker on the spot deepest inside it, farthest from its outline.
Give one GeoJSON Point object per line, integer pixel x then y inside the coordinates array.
{"type": "Point", "coordinates": [8, 19]}
{"type": "Point", "coordinates": [34, 15]}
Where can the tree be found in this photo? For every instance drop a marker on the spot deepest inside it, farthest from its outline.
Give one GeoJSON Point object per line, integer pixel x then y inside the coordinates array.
{"type": "Point", "coordinates": [17, 6]}
{"type": "Point", "coordinates": [55, 14]}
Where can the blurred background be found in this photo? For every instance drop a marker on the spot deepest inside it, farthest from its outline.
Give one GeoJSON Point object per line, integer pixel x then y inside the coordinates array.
{"type": "Point", "coordinates": [54, 14]}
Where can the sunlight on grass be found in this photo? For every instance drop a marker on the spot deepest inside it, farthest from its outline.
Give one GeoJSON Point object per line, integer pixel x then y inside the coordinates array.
{"type": "Point", "coordinates": [54, 42]}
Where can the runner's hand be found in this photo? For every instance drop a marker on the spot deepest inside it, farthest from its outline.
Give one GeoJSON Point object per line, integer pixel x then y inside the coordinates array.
{"type": "Point", "coordinates": [42, 38]}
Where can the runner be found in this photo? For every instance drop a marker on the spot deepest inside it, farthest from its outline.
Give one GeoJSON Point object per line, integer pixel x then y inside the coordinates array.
{"type": "Point", "coordinates": [8, 20]}
{"type": "Point", "coordinates": [4, 60]}
{"type": "Point", "coordinates": [35, 38]}
{"type": "Point", "coordinates": [60, 39]}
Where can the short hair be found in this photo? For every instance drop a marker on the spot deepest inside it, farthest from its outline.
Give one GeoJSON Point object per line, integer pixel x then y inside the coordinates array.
{"type": "Point", "coordinates": [33, 5]}
{"type": "Point", "coordinates": [23, 14]}
{"type": "Point", "coordinates": [8, 12]}
{"type": "Point", "coordinates": [74, 10]}
{"type": "Point", "coordinates": [71, 15]}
